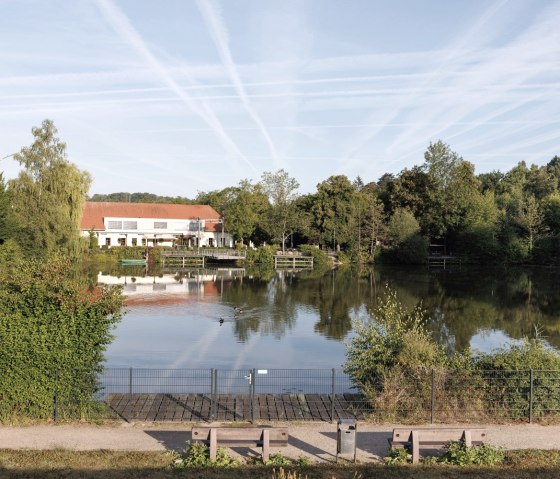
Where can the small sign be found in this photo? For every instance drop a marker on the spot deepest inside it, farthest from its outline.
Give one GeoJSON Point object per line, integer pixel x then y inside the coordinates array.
{"type": "Point", "coordinates": [262, 371]}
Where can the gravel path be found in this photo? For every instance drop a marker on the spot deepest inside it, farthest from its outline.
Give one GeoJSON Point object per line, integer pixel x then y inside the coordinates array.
{"type": "Point", "coordinates": [314, 440]}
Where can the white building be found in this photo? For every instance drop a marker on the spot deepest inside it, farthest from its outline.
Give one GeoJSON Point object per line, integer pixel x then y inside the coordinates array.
{"type": "Point", "coordinates": [154, 224]}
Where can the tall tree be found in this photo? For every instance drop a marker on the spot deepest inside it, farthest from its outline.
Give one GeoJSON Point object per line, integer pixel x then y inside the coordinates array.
{"type": "Point", "coordinates": [8, 225]}
{"type": "Point", "coordinates": [281, 190]}
{"type": "Point", "coordinates": [333, 210]}
{"type": "Point", "coordinates": [48, 195]}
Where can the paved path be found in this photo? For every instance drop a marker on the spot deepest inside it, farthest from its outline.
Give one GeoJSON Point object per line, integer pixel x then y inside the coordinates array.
{"type": "Point", "coordinates": [314, 440]}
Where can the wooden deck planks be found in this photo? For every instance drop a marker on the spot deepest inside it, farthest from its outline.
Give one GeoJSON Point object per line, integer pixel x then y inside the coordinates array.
{"type": "Point", "coordinates": [231, 408]}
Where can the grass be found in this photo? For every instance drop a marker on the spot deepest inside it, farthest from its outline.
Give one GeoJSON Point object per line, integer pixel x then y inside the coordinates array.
{"type": "Point", "coordinates": [58, 463]}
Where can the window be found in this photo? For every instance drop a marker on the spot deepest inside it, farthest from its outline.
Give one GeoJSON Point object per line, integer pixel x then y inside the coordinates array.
{"type": "Point", "coordinates": [134, 241]}
{"type": "Point", "coordinates": [160, 225]}
{"type": "Point", "coordinates": [107, 241]}
{"type": "Point", "coordinates": [211, 242]}
{"type": "Point", "coordinates": [144, 242]}
{"type": "Point", "coordinates": [130, 225]}
{"type": "Point", "coordinates": [122, 241]}
{"type": "Point", "coordinates": [114, 225]}
{"type": "Point", "coordinates": [195, 225]}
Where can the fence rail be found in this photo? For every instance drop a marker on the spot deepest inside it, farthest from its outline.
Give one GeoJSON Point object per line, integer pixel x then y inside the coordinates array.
{"type": "Point", "coordinates": [313, 394]}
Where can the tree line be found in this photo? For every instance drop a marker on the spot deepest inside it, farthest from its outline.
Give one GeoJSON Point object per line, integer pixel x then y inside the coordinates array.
{"type": "Point", "coordinates": [438, 207]}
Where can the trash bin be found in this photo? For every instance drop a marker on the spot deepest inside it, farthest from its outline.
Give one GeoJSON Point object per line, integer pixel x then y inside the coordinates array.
{"type": "Point", "coordinates": [346, 437]}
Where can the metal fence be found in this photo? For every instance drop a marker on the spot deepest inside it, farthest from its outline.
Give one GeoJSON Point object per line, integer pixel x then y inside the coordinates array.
{"type": "Point", "coordinates": [327, 394]}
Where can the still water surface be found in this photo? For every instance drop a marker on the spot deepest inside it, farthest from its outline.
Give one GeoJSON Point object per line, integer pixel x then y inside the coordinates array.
{"type": "Point", "coordinates": [232, 320]}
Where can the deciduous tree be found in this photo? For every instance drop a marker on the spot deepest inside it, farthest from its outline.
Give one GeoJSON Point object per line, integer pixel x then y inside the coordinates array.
{"type": "Point", "coordinates": [48, 195]}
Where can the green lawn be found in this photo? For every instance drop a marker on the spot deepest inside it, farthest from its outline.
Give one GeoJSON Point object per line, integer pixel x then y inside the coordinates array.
{"type": "Point", "coordinates": [155, 465]}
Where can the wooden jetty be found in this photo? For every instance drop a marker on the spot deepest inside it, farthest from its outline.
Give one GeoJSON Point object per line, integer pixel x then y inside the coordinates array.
{"type": "Point", "coordinates": [293, 261]}
{"type": "Point", "coordinates": [441, 261]}
{"type": "Point", "coordinates": [231, 408]}
{"type": "Point", "coordinates": [199, 257]}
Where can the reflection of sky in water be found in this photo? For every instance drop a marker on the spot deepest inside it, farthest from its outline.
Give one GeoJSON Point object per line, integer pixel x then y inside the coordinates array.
{"type": "Point", "coordinates": [489, 340]}
{"type": "Point", "coordinates": [188, 334]}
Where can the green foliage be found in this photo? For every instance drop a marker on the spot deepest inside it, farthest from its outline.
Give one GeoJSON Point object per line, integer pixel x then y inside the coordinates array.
{"type": "Point", "coordinates": [333, 211]}
{"type": "Point", "coordinates": [197, 454]}
{"type": "Point", "coordinates": [278, 460]}
{"type": "Point", "coordinates": [53, 331]}
{"type": "Point", "coordinates": [125, 197]}
{"type": "Point", "coordinates": [281, 216]}
{"type": "Point", "coordinates": [403, 232]}
{"type": "Point", "coordinates": [458, 454]}
{"type": "Point", "coordinates": [320, 258]}
{"type": "Point", "coordinates": [8, 225]}
{"type": "Point", "coordinates": [263, 255]}
{"type": "Point", "coordinates": [48, 196]}
{"type": "Point", "coordinates": [393, 353]}
{"type": "Point", "coordinates": [397, 457]}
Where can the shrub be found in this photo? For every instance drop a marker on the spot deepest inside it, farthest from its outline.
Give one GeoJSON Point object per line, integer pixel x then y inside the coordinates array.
{"type": "Point", "coordinates": [391, 356]}
{"type": "Point", "coordinates": [514, 364]}
{"type": "Point", "coordinates": [278, 460]}
{"type": "Point", "coordinates": [197, 454]}
{"type": "Point", "coordinates": [320, 258]}
{"type": "Point", "coordinates": [458, 454]}
{"type": "Point", "coordinates": [53, 331]}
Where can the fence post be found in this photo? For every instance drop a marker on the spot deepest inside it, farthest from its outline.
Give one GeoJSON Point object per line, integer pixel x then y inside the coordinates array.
{"type": "Point", "coordinates": [332, 394]}
{"type": "Point", "coordinates": [56, 378]}
{"type": "Point", "coordinates": [212, 398]}
{"type": "Point", "coordinates": [129, 380]}
{"type": "Point", "coordinates": [433, 413]}
{"type": "Point", "coordinates": [253, 377]}
{"type": "Point", "coordinates": [531, 391]}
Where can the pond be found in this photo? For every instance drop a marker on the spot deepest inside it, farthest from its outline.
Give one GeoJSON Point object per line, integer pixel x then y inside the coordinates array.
{"type": "Point", "coordinates": [234, 319]}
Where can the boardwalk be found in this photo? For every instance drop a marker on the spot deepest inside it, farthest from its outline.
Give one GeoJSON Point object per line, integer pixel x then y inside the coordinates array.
{"type": "Point", "coordinates": [202, 407]}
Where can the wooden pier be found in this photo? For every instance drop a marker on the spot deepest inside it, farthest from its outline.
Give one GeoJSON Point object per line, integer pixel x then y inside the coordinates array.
{"type": "Point", "coordinates": [293, 261]}
{"type": "Point", "coordinates": [440, 261]}
{"type": "Point", "coordinates": [199, 257]}
{"type": "Point", "coordinates": [231, 408]}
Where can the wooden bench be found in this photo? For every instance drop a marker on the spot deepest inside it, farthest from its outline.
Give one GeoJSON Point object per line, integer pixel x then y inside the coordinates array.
{"type": "Point", "coordinates": [255, 436]}
{"type": "Point", "coordinates": [434, 437]}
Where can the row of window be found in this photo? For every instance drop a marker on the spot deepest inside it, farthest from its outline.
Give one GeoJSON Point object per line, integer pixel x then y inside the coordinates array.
{"type": "Point", "coordinates": [134, 241]}
{"type": "Point", "coordinates": [158, 225]}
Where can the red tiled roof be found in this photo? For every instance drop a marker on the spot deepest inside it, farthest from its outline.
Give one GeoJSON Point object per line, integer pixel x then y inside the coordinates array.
{"type": "Point", "coordinates": [94, 212]}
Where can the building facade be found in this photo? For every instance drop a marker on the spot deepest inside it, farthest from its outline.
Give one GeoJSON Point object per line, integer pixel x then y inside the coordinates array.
{"type": "Point", "coordinates": [154, 224]}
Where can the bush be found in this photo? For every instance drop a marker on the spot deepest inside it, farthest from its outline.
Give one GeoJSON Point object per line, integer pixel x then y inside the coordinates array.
{"type": "Point", "coordinates": [53, 331]}
{"type": "Point", "coordinates": [458, 454]}
{"type": "Point", "coordinates": [197, 454]}
{"type": "Point", "coordinates": [320, 258]}
{"type": "Point", "coordinates": [390, 358]}
{"type": "Point", "coordinates": [514, 364]}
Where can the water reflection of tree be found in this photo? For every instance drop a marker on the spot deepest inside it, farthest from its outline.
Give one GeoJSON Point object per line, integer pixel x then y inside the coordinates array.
{"type": "Point", "coordinates": [460, 304]}
{"type": "Point", "coordinates": [264, 307]}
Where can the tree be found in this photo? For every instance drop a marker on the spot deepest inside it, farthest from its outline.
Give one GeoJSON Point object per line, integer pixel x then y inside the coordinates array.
{"type": "Point", "coordinates": [406, 245]}
{"type": "Point", "coordinates": [530, 219]}
{"type": "Point", "coordinates": [8, 225]}
{"type": "Point", "coordinates": [281, 190]}
{"type": "Point", "coordinates": [243, 208]}
{"type": "Point", "coordinates": [333, 210]}
{"type": "Point", "coordinates": [48, 195]}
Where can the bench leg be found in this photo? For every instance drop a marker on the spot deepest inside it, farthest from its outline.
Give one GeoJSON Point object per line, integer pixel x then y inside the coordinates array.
{"type": "Point", "coordinates": [468, 440]}
{"type": "Point", "coordinates": [415, 447]}
{"type": "Point", "coordinates": [213, 444]}
{"type": "Point", "coordinates": [266, 445]}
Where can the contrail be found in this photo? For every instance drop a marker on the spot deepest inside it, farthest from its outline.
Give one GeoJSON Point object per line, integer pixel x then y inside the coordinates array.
{"type": "Point", "coordinates": [217, 29]}
{"type": "Point", "coordinates": [123, 27]}
{"type": "Point", "coordinates": [450, 53]}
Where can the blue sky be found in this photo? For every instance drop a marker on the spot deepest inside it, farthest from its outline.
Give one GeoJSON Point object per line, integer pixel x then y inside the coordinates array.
{"type": "Point", "coordinates": [175, 97]}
